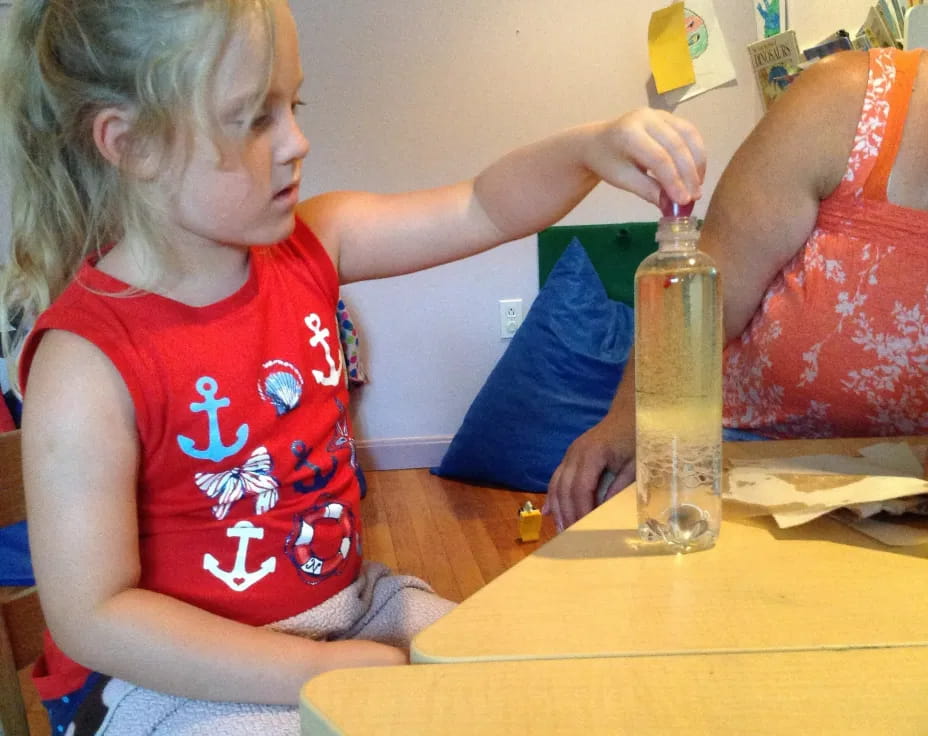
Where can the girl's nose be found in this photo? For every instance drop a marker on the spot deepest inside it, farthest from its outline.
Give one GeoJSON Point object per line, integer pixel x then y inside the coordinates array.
{"type": "Point", "coordinates": [294, 146]}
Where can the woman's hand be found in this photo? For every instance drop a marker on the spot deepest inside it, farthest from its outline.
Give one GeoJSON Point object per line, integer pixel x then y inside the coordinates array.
{"type": "Point", "coordinates": [606, 447]}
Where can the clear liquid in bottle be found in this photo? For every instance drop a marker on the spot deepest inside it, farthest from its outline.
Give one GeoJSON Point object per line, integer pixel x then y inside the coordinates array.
{"type": "Point", "coordinates": [678, 392]}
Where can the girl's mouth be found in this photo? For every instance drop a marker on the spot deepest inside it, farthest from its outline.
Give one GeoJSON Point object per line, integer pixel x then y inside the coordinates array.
{"type": "Point", "coordinates": [288, 194]}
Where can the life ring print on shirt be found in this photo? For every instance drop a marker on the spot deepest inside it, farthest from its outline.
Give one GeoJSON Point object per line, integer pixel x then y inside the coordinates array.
{"type": "Point", "coordinates": [321, 541]}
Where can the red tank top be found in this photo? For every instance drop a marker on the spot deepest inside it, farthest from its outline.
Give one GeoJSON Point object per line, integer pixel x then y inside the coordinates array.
{"type": "Point", "coordinates": [248, 494]}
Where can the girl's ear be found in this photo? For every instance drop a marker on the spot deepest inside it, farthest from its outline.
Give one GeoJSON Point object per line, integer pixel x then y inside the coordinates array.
{"type": "Point", "coordinates": [112, 127]}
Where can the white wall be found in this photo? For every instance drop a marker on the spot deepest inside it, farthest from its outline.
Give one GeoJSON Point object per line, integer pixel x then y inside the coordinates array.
{"type": "Point", "coordinates": [423, 93]}
{"type": "Point", "coordinates": [418, 93]}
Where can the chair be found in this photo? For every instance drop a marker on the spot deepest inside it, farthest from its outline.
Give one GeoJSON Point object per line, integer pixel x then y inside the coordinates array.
{"type": "Point", "coordinates": [21, 620]}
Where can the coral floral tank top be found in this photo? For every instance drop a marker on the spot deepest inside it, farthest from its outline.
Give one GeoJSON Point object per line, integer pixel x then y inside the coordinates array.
{"type": "Point", "coordinates": [839, 344]}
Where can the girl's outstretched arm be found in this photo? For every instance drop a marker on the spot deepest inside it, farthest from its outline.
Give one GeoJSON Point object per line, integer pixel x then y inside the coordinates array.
{"type": "Point", "coordinates": [81, 453]}
{"type": "Point", "coordinates": [372, 235]}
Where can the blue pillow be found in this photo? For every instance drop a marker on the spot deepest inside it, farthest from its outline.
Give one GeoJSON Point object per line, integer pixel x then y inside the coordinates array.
{"type": "Point", "coordinates": [15, 566]}
{"type": "Point", "coordinates": [556, 379]}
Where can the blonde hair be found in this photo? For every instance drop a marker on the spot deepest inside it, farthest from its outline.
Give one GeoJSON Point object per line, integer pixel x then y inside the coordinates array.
{"type": "Point", "coordinates": [62, 62]}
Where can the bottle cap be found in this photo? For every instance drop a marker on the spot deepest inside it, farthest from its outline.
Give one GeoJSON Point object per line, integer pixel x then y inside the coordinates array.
{"type": "Point", "coordinates": [669, 208]}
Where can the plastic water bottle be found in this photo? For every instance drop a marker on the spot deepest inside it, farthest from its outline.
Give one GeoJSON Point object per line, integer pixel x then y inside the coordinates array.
{"type": "Point", "coordinates": [678, 389]}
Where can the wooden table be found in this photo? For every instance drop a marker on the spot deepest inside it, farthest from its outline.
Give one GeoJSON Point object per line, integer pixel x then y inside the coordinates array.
{"type": "Point", "coordinates": [593, 592]}
{"type": "Point", "coordinates": [863, 691]}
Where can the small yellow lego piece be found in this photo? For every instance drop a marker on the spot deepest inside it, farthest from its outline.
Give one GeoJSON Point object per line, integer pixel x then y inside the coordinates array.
{"type": "Point", "coordinates": [529, 523]}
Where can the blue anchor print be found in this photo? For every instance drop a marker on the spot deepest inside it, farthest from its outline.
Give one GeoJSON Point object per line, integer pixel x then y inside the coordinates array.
{"type": "Point", "coordinates": [216, 451]}
{"type": "Point", "coordinates": [299, 449]}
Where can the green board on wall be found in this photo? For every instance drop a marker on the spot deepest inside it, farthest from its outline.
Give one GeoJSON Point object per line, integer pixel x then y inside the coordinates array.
{"type": "Point", "coordinates": [615, 250]}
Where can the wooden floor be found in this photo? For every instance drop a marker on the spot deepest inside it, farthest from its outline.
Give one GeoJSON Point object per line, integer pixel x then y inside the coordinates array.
{"type": "Point", "coordinates": [456, 536]}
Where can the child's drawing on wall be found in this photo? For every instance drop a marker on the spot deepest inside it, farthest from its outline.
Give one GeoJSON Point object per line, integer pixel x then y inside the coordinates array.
{"type": "Point", "coordinates": [711, 60]}
{"type": "Point", "coordinates": [697, 35]}
{"type": "Point", "coordinates": [770, 17]}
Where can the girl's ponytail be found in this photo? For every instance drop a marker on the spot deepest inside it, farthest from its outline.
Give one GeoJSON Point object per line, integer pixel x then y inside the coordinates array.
{"type": "Point", "coordinates": [49, 228]}
{"type": "Point", "coordinates": [62, 62]}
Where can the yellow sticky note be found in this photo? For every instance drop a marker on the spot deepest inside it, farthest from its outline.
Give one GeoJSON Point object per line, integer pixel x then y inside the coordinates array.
{"type": "Point", "coordinates": [668, 50]}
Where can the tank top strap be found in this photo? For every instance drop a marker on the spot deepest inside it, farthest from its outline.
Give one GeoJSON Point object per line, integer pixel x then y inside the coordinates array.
{"type": "Point", "coordinates": [896, 96]}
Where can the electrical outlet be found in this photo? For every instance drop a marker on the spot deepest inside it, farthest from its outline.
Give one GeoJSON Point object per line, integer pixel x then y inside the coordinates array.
{"type": "Point", "coordinates": [510, 317]}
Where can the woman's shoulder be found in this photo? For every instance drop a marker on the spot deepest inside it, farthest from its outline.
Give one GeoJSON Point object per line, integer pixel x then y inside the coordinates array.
{"type": "Point", "coordinates": [810, 130]}
{"type": "Point", "coordinates": [848, 67]}
{"type": "Point", "coordinates": [832, 90]}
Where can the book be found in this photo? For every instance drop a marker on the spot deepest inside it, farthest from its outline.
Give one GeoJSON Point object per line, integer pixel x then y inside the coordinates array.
{"type": "Point", "coordinates": [888, 15]}
{"type": "Point", "coordinates": [875, 29]}
{"type": "Point", "coordinates": [861, 41]}
{"type": "Point", "coordinates": [899, 7]}
{"type": "Point", "coordinates": [840, 33]}
{"type": "Point", "coordinates": [776, 64]}
{"type": "Point", "coordinates": [831, 46]}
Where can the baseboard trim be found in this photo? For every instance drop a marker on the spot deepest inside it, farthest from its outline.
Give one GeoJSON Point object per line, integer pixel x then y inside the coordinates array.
{"type": "Point", "coordinates": [402, 452]}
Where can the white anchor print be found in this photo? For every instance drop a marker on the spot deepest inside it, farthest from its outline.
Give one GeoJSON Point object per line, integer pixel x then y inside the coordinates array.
{"type": "Point", "coordinates": [238, 578]}
{"type": "Point", "coordinates": [314, 323]}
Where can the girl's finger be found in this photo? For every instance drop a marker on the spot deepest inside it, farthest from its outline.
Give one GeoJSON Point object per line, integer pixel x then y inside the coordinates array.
{"type": "Point", "coordinates": [696, 145]}
{"type": "Point", "coordinates": [675, 165]}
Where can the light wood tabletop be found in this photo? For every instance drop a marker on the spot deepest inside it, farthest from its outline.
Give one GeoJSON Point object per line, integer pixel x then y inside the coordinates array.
{"type": "Point", "coordinates": [861, 691]}
{"type": "Point", "coordinates": [594, 592]}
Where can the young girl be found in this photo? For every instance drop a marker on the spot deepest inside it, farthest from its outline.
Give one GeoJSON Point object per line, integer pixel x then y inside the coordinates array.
{"type": "Point", "coordinates": [192, 493]}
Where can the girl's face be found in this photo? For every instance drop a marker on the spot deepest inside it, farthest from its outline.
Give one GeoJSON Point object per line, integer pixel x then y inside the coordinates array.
{"type": "Point", "coordinates": [242, 190]}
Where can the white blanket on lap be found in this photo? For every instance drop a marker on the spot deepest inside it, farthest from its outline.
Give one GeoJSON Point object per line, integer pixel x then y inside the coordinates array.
{"type": "Point", "coordinates": [379, 606]}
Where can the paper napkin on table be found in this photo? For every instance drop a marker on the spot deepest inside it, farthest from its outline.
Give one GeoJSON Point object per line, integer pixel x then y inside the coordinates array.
{"type": "Point", "coordinates": [794, 490]}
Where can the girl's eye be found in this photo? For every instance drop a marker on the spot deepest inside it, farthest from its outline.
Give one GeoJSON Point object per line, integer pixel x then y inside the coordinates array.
{"type": "Point", "coordinates": [260, 122]}
{"type": "Point", "coordinates": [296, 104]}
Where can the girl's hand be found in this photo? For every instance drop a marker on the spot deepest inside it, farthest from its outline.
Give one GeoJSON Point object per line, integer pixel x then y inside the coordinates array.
{"type": "Point", "coordinates": [645, 151]}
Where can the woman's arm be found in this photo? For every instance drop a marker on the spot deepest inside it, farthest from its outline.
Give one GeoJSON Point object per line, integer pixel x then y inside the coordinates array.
{"type": "Point", "coordinates": [81, 454]}
{"type": "Point", "coordinates": [762, 212]}
{"type": "Point", "coordinates": [766, 202]}
{"type": "Point", "coordinates": [371, 235]}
